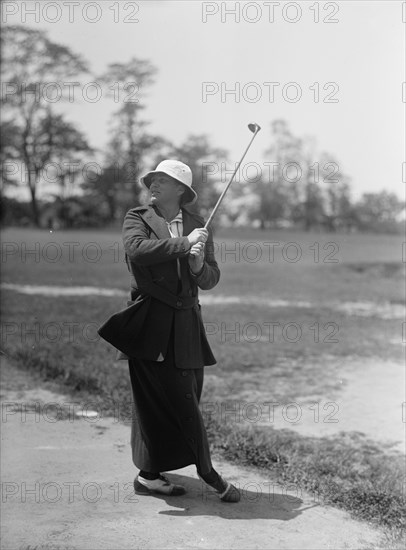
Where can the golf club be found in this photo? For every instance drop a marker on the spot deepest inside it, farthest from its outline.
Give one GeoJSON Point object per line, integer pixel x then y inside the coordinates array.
{"type": "Point", "coordinates": [254, 128]}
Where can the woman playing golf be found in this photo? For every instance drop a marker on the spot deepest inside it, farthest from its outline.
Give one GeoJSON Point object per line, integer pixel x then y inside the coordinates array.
{"type": "Point", "coordinates": [166, 252]}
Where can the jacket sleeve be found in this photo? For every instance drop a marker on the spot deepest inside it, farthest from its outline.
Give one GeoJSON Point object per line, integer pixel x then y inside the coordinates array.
{"type": "Point", "coordinates": [145, 251]}
{"type": "Point", "coordinates": [209, 276]}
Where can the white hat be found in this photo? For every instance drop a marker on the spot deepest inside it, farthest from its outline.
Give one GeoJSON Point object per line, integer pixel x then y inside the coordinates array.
{"type": "Point", "coordinates": [177, 170]}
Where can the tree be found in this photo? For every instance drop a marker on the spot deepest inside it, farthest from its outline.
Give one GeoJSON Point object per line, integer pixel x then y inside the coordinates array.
{"type": "Point", "coordinates": [271, 205]}
{"type": "Point", "coordinates": [116, 186]}
{"type": "Point", "coordinates": [129, 142]}
{"type": "Point", "coordinates": [303, 189]}
{"type": "Point", "coordinates": [8, 153]}
{"type": "Point", "coordinates": [65, 145]}
{"type": "Point", "coordinates": [379, 211]}
{"type": "Point", "coordinates": [338, 212]}
{"type": "Point", "coordinates": [33, 64]}
{"type": "Point", "coordinates": [280, 191]}
{"type": "Point", "coordinates": [309, 209]}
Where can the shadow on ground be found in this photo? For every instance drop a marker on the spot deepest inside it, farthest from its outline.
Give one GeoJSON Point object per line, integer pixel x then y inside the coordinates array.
{"type": "Point", "coordinates": [201, 500]}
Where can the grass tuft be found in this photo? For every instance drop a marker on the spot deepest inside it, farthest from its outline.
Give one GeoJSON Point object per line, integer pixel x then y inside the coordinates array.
{"type": "Point", "coordinates": [352, 473]}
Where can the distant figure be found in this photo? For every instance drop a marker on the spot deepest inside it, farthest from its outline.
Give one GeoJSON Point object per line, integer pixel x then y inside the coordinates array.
{"type": "Point", "coordinates": [165, 251]}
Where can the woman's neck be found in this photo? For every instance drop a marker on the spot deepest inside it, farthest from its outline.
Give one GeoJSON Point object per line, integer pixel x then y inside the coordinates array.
{"type": "Point", "coordinates": [169, 212]}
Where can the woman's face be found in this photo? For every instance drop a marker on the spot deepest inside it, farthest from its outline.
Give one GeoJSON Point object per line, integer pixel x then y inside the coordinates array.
{"type": "Point", "coordinates": [164, 189]}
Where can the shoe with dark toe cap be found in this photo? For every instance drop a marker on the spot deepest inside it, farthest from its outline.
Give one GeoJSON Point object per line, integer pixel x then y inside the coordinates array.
{"type": "Point", "coordinates": [160, 486]}
{"type": "Point", "coordinates": [231, 494]}
{"type": "Point", "coordinates": [227, 492]}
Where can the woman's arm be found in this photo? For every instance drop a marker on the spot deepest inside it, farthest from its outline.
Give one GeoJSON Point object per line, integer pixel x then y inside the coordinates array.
{"type": "Point", "coordinates": [145, 251]}
{"type": "Point", "coordinates": [209, 276]}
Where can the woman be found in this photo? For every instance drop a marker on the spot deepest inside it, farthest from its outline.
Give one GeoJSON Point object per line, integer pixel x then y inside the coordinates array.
{"type": "Point", "coordinates": [166, 253]}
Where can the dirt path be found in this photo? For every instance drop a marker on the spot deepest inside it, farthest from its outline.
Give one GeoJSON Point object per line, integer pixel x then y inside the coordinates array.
{"type": "Point", "coordinates": [68, 484]}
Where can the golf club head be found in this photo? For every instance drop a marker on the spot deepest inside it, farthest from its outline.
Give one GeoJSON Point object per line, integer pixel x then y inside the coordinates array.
{"type": "Point", "coordinates": [254, 127]}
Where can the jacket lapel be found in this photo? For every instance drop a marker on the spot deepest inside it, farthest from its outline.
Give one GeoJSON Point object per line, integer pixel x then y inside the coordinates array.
{"type": "Point", "coordinates": [158, 225]}
{"type": "Point", "coordinates": [188, 223]}
{"type": "Point", "coordinates": [156, 222]}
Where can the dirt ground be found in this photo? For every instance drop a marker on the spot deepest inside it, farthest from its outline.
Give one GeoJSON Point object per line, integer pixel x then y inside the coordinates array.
{"type": "Point", "coordinates": [369, 400]}
{"type": "Point", "coordinates": [67, 483]}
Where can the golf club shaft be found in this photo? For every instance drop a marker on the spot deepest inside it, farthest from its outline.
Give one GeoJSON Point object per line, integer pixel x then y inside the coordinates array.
{"type": "Point", "coordinates": [229, 183]}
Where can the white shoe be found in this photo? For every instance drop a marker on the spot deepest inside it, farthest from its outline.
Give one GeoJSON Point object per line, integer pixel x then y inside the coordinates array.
{"type": "Point", "coordinates": [161, 486]}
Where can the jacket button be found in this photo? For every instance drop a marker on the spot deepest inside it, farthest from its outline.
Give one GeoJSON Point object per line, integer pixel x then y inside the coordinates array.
{"type": "Point", "coordinates": [184, 373]}
{"type": "Point", "coordinates": [190, 292]}
{"type": "Point", "coordinates": [179, 303]}
{"type": "Point", "coordinates": [189, 419]}
{"type": "Point", "coordinates": [191, 439]}
{"type": "Point", "coordinates": [188, 395]}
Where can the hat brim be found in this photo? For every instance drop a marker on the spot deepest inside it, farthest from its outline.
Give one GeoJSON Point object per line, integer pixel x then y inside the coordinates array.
{"type": "Point", "coordinates": [191, 195]}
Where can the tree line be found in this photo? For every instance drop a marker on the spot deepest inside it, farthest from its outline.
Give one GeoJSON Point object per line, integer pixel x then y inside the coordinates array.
{"type": "Point", "coordinates": [40, 148]}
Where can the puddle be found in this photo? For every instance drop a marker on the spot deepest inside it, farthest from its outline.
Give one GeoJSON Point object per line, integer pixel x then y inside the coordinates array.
{"type": "Point", "coordinates": [385, 310]}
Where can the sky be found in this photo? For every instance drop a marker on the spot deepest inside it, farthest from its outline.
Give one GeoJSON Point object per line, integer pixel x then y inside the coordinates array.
{"type": "Point", "coordinates": [352, 52]}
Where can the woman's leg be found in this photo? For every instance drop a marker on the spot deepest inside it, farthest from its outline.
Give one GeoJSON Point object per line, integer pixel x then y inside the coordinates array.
{"type": "Point", "coordinates": [214, 480]}
{"type": "Point", "coordinates": [227, 492]}
{"type": "Point", "coordinates": [149, 475]}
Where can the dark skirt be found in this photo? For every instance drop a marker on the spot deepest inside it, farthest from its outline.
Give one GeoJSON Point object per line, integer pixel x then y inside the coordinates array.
{"type": "Point", "coordinates": [167, 430]}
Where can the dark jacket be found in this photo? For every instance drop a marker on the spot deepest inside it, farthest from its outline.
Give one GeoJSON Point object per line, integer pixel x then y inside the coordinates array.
{"type": "Point", "coordinates": [150, 254]}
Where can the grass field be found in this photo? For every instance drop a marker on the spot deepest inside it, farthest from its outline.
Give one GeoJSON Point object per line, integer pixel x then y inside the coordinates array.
{"type": "Point", "coordinates": [334, 301]}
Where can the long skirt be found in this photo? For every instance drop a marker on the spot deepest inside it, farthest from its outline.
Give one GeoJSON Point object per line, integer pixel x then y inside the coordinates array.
{"type": "Point", "coordinates": [167, 430]}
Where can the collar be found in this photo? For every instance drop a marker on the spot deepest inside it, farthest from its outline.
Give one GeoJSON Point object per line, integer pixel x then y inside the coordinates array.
{"type": "Point", "coordinates": [177, 218]}
{"type": "Point", "coordinates": [158, 223]}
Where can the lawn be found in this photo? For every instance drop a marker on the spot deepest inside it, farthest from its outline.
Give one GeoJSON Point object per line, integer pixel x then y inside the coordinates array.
{"type": "Point", "coordinates": [282, 342]}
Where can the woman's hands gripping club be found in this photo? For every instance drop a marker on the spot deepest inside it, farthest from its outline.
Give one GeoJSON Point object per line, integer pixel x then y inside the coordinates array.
{"type": "Point", "coordinates": [197, 239]}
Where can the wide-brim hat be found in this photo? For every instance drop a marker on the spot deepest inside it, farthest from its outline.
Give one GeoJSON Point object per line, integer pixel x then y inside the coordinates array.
{"type": "Point", "coordinates": [177, 170]}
